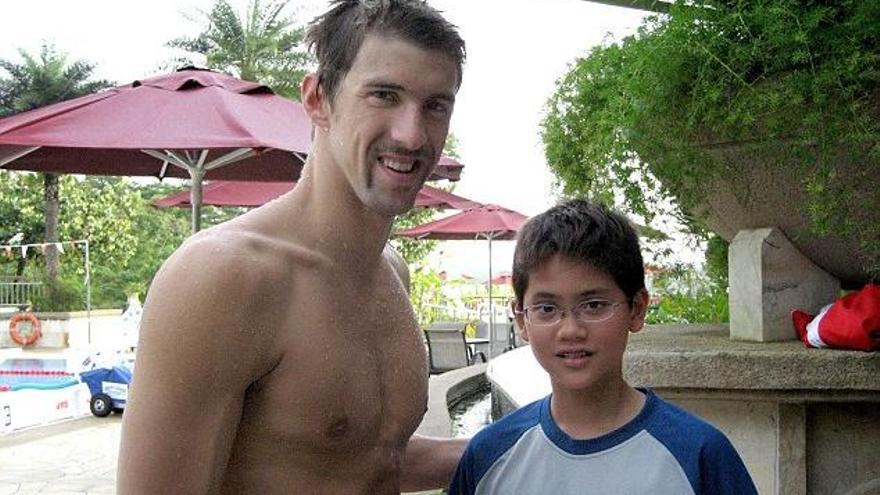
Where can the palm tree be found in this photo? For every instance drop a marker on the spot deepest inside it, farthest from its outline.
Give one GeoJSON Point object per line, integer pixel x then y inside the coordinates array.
{"type": "Point", "coordinates": [264, 45]}
{"type": "Point", "coordinates": [36, 82]}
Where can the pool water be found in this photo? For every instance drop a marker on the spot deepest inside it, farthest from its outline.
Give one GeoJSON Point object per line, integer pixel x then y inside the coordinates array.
{"type": "Point", "coordinates": [471, 414]}
{"type": "Point", "coordinates": [40, 372]}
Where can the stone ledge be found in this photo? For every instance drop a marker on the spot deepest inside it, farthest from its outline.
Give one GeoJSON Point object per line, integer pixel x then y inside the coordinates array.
{"type": "Point", "coordinates": [443, 390]}
{"type": "Point", "coordinates": [704, 357]}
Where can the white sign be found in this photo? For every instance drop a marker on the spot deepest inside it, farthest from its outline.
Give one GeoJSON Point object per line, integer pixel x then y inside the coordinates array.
{"type": "Point", "coordinates": [118, 391]}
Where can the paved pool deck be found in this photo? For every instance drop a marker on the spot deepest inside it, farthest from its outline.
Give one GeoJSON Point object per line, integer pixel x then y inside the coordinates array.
{"type": "Point", "coordinates": [76, 456]}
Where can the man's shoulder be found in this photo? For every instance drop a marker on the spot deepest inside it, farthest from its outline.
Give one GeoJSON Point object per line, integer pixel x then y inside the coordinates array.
{"type": "Point", "coordinates": [397, 263]}
{"type": "Point", "coordinates": [218, 273]}
{"type": "Point", "coordinates": [235, 253]}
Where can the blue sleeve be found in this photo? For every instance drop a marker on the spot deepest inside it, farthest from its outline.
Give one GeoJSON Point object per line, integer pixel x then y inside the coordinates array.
{"type": "Point", "coordinates": [489, 444]}
{"type": "Point", "coordinates": [722, 471]}
{"type": "Point", "coordinates": [463, 482]}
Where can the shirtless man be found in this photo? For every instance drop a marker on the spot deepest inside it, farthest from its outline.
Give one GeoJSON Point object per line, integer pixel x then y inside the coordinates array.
{"type": "Point", "coordinates": [278, 351]}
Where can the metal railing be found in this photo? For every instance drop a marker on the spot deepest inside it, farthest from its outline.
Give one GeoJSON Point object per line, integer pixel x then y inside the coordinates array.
{"type": "Point", "coordinates": [17, 293]}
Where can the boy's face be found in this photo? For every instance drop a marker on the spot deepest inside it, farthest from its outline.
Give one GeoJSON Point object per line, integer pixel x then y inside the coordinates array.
{"type": "Point", "coordinates": [388, 122]}
{"type": "Point", "coordinates": [580, 356]}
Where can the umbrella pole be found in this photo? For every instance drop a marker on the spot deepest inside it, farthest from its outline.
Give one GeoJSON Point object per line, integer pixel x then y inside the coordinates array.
{"type": "Point", "coordinates": [88, 282]}
{"type": "Point", "coordinates": [491, 306]}
{"type": "Point", "coordinates": [196, 198]}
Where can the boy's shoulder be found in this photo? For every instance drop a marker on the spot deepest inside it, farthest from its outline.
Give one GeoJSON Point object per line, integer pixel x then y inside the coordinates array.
{"type": "Point", "coordinates": [506, 431]}
{"type": "Point", "coordinates": [669, 421]}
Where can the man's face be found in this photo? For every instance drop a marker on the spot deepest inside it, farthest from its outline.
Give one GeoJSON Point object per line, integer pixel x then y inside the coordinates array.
{"type": "Point", "coordinates": [389, 120]}
{"type": "Point", "coordinates": [579, 356]}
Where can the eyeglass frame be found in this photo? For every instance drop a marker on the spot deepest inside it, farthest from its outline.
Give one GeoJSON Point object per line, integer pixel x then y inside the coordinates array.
{"type": "Point", "coordinates": [571, 309]}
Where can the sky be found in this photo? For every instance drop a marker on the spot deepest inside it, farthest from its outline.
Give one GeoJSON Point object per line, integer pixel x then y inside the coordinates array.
{"type": "Point", "coordinates": [516, 49]}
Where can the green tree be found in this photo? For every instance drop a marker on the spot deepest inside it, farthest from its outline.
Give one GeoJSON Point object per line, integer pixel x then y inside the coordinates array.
{"type": "Point", "coordinates": [263, 46]}
{"type": "Point", "coordinates": [21, 212]}
{"type": "Point", "coordinates": [34, 82]}
{"type": "Point", "coordinates": [113, 214]}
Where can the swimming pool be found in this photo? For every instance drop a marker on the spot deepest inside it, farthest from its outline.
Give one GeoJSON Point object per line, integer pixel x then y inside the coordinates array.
{"type": "Point", "coordinates": [34, 373]}
{"type": "Point", "coordinates": [38, 390]}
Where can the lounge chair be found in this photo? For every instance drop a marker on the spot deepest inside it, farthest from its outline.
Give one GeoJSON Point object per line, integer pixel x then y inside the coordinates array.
{"type": "Point", "coordinates": [448, 348]}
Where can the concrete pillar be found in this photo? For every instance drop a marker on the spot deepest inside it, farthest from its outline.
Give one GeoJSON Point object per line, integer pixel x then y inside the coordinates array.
{"type": "Point", "coordinates": [769, 278]}
{"type": "Point", "coordinates": [791, 450]}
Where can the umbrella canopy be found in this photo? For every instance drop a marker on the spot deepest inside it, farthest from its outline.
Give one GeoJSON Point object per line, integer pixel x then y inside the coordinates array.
{"type": "Point", "coordinates": [192, 123]}
{"type": "Point", "coordinates": [486, 222]}
{"type": "Point", "coordinates": [252, 194]}
{"type": "Point", "coordinates": [489, 222]}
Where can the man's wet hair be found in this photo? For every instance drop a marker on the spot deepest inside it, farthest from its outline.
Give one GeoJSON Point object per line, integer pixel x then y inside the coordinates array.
{"type": "Point", "coordinates": [581, 232]}
{"type": "Point", "coordinates": [336, 36]}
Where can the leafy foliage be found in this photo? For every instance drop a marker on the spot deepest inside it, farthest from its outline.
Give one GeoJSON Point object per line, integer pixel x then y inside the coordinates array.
{"type": "Point", "coordinates": [709, 306]}
{"type": "Point", "coordinates": [425, 295]}
{"type": "Point", "coordinates": [40, 80]}
{"type": "Point", "coordinates": [113, 214]}
{"type": "Point", "coordinates": [688, 297]}
{"type": "Point", "coordinates": [414, 251]}
{"type": "Point", "coordinates": [263, 46]}
{"type": "Point", "coordinates": [799, 78]}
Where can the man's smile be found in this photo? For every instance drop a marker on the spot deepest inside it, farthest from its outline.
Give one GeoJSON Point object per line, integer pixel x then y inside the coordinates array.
{"type": "Point", "coordinates": [400, 165]}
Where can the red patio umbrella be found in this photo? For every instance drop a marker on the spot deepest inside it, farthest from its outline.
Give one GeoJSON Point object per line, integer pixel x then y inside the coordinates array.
{"type": "Point", "coordinates": [252, 194]}
{"type": "Point", "coordinates": [490, 222]}
{"type": "Point", "coordinates": [202, 123]}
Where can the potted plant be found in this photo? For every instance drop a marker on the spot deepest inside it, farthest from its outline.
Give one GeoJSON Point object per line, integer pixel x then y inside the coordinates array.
{"type": "Point", "coordinates": [746, 113]}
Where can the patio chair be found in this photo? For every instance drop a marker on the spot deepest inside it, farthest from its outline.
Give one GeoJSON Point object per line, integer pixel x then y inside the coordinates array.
{"type": "Point", "coordinates": [448, 349]}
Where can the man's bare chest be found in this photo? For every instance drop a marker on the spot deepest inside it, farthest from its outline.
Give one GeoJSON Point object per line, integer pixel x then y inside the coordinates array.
{"type": "Point", "coordinates": [352, 374]}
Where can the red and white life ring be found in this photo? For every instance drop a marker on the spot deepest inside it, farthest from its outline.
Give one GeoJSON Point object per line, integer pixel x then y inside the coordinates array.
{"type": "Point", "coordinates": [15, 333]}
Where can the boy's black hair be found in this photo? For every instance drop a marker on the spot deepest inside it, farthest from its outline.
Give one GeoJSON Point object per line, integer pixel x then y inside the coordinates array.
{"type": "Point", "coordinates": [582, 232]}
{"type": "Point", "coordinates": [336, 36]}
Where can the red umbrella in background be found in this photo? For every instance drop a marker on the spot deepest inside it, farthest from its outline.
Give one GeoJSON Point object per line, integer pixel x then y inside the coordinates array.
{"type": "Point", "coordinates": [191, 123]}
{"type": "Point", "coordinates": [503, 279]}
{"type": "Point", "coordinates": [432, 197]}
{"type": "Point", "coordinates": [229, 193]}
{"type": "Point", "coordinates": [483, 222]}
{"type": "Point", "coordinates": [490, 222]}
{"type": "Point", "coordinates": [447, 168]}
{"type": "Point", "coordinates": [252, 194]}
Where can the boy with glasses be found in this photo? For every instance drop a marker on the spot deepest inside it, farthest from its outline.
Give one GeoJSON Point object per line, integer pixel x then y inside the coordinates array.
{"type": "Point", "coordinates": [579, 282]}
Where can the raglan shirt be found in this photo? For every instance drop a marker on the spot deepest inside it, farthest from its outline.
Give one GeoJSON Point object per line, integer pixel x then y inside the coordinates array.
{"type": "Point", "coordinates": [664, 450]}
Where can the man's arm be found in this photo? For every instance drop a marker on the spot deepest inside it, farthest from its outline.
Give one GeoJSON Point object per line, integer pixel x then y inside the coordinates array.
{"type": "Point", "coordinates": [430, 462]}
{"type": "Point", "coordinates": [187, 391]}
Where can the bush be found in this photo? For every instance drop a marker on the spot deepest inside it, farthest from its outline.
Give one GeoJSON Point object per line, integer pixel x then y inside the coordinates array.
{"type": "Point", "coordinates": [64, 294]}
{"type": "Point", "coordinates": [688, 296]}
{"type": "Point", "coordinates": [709, 306]}
{"type": "Point", "coordinates": [794, 79]}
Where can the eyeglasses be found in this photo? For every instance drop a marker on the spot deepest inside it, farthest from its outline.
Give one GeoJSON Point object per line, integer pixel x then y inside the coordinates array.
{"type": "Point", "coordinates": [590, 311]}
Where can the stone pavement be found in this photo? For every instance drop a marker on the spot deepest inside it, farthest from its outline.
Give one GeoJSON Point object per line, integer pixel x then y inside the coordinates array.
{"type": "Point", "coordinates": [72, 457]}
